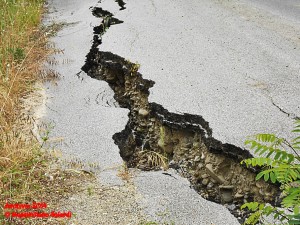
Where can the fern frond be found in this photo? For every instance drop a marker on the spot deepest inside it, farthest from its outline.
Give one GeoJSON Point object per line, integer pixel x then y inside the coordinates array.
{"type": "Point", "coordinates": [253, 218]}
{"type": "Point", "coordinates": [296, 143]}
{"type": "Point", "coordinates": [297, 126]}
{"type": "Point", "coordinates": [267, 174]}
{"type": "Point", "coordinates": [262, 161]}
{"type": "Point", "coordinates": [296, 139]}
{"type": "Point", "coordinates": [268, 210]}
{"type": "Point", "coordinates": [252, 206]}
{"type": "Point", "coordinates": [292, 198]}
{"type": "Point", "coordinates": [260, 210]}
{"type": "Point", "coordinates": [276, 153]}
{"type": "Point", "coordinates": [269, 138]}
{"type": "Point", "coordinates": [284, 173]}
{"type": "Point", "coordinates": [294, 219]}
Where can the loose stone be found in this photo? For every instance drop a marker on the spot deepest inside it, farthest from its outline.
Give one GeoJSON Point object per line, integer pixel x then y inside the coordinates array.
{"type": "Point", "coordinates": [200, 165]}
{"type": "Point", "coordinates": [226, 196]}
{"type": "Point", "coordinates": [196, 144]}
{"type": "Point", "coordinates": [205, 181]}
{"type": "Point", "coordinates": [143, 112]}
{"type": "Point", "coordinates": [237, 195]}
{"type": "Point", "coordinates": [204, 176]}
{"type": "Point", "coordinates": [231, 207]}
{"type": "Point", "coordinates": [220, 179]}
{"type": "Point", "coordinates": [229, 187]}
{"type": "Point", "coordinates": [197, 159]}
{"type": "Point", "coordinates": [202, 156]}
{"type": "Point", "coordinates": [210, 185]}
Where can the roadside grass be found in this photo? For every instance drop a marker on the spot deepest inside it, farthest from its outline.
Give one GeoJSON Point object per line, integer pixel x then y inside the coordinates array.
{"type": "Point", "coordinates": [25, 172]}
{"type": "Point", "coordinates": [20, 54]}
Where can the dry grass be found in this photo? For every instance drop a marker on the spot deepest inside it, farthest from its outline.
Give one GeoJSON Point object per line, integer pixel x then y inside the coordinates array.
{"type": "Point", "coordinates": [25, 175]}
{"type": "Point", "coordinates": [124, 173]}
{"type": "Point", "coordinates": [156, 159]}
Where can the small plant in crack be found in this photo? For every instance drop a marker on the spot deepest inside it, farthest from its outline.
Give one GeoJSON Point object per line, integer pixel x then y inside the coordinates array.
{"type": "Point", "coordinates": [134, 67]}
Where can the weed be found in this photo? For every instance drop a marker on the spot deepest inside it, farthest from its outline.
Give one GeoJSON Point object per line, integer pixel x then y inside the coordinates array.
{"type": "Point", "coordinates": [156, 223]}
{"type": "Point", "coordinates": [134, 67]}
{"type": "Point", "coordinates": [90, 191]}
{"type": "Point", "coordinates": [124, 173]}
{"type": "Point", "coordinates": [148, 223]}
{"type": "Point", "coordinates": [17, 53]}
{"type": "Point", "coordinates": [52, 29]}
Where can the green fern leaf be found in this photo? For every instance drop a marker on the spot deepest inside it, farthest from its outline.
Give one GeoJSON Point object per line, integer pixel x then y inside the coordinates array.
{"type": "Point", "coordinates": [271, 151]}
{"type": "Point", "coordinates": [278, 154]}
{"type": "Point", "coordinates": [273, 177]}
{"type": "Point", "coordinates": [291, 158]}
{"type": "Point", "coordinates": [260, 175]}
{"type": "Point", "coordinates": [253, 218]}
{"type": "Point", "coordinates": [294, 219]}
{"type": "Point", "coordinates": [276, 215]}
{"type": "Point", "coordinates": [258, 149]}
{"type": "Point", "coordinates": [292, 198]}
{"type": "Point", "coordinates": [258, 162]}
{"type": "Point", "coordinates": [296, 139]}
{"type": "Point", "coordinates": [250, 205]}
{"type": "Point", "coordinates": [264, 150]}
{"type": "Point", "coordinates": [268, 138]}
{"type": "Point", "coordinates": [294, 222]}
{"type": "Point", "coordinates": [266, 176]}
{"type": "Point", "coordinates": [268, 210]}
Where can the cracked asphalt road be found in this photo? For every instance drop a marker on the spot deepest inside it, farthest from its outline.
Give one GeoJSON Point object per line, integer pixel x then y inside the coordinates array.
{"type": "Point", "coordinates": [233, 62]}
{"type": "Point", "coordinates": [236, 63]}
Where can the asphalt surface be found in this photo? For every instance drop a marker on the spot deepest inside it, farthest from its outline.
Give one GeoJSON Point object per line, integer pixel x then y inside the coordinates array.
{"type": "Point", "coordinates": [288, 8]}
{"type": "Point", "coordinates": [233, 62]}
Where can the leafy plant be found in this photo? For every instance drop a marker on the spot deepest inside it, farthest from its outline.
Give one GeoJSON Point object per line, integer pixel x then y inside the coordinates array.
{"type": "Point", "coordinates": [281, 166]}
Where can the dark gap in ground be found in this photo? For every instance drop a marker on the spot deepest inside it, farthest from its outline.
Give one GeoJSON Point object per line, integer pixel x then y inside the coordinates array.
{"type": "Point", "coordinates": [155, 138]}
{"type": "Point", "coordinates": [121, 3]}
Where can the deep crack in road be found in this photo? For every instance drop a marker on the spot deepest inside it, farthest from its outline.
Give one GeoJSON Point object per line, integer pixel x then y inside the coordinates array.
{"type": "Point", "coordinates": [212, 167]}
